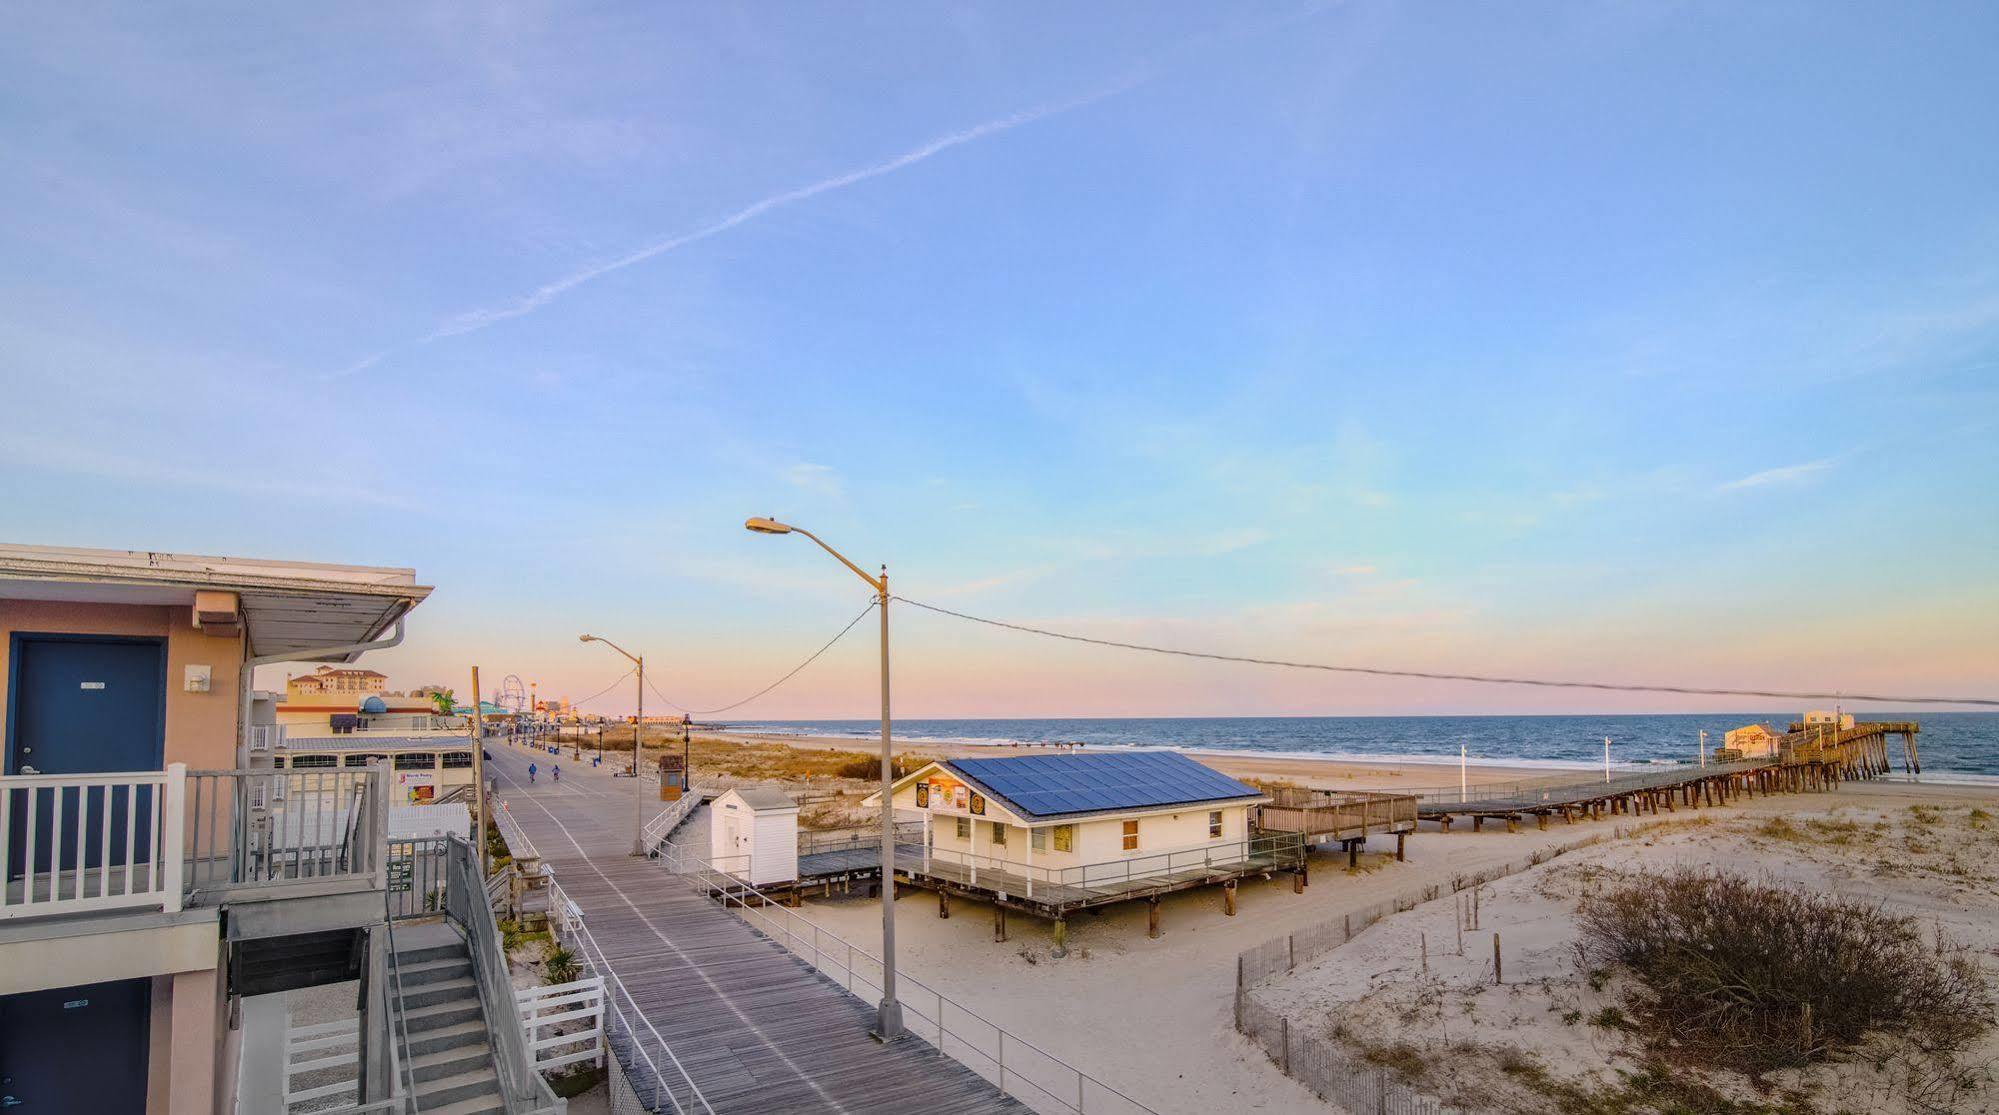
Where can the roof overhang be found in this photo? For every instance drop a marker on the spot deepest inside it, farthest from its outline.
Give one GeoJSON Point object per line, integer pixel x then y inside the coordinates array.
{"type": "Point", "coordinates": [286, 606]}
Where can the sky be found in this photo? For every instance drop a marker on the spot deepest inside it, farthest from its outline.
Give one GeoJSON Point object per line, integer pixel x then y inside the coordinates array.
{"type": "Point", "coordinates": [1643, 342]}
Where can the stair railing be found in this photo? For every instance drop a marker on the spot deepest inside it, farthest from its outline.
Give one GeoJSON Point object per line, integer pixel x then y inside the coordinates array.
{"type": "Point", "coordinates": [522, 1089]}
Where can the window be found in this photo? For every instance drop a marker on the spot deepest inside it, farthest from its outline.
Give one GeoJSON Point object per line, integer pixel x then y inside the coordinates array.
{"type": "Point", "coordinates": [416, 760]}
{"type": "Point", "coordinates": [964, 828]}
{"type": "Point", "coordinates": [999, 835]}
{"type": "Point", "coordinates": [1131, 836]}
{"type": "Point", "coordinates": [361, 760]}
{"type": "Point", "coordinates": [301, 762]}
{"type": "Point", "coordinates": [1037, 840]}
{"type": "Point", "coordinates": [1065, 838]}
{"type": "Point", "coordinates": [457, 760]}
{"type": "Point", "coordinates": [1214, 824]}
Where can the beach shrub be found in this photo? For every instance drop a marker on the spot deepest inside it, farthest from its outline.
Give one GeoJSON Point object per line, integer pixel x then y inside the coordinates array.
{"type": "Point", "coordinates": [561, 966]}
{"type": "Point", "coordinates": [1754, 977]}
{"type": "Point", "coordinates": [868, 768]}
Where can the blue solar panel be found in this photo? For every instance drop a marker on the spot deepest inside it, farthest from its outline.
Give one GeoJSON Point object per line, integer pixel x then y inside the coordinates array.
{"type": "Point", "coordinates": [1053, 785]}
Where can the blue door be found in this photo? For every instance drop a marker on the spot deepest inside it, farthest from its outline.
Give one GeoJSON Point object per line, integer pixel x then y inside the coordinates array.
{"type": "Point", "coordinates": [81, 705]}
{"type": "Point", "coordinates": [74, 1050]}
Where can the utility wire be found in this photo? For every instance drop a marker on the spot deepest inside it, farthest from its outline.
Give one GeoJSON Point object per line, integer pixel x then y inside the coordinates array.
{"type": "Point", "coordinates": [773, 685]}
{"type": "Point", "coordinates": [608, 688]}
{"type": "Point", "coordinates": [1486, 679]}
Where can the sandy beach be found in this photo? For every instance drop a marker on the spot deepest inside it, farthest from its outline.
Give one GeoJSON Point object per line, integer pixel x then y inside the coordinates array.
{"type": "Point", "coordinates": [1383, 775]}
{"type": "Point", "coordinates": [1153, 1017]}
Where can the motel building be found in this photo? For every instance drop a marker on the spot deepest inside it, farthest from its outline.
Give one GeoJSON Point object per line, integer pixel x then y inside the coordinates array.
{"type": "Point", "coordinates": [1052, 834]}
{"type": "Point", "coordinates": [157, 884]}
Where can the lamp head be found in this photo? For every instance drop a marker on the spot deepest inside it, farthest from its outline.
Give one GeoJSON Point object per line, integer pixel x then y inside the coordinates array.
{"type": "Point", "coordinates": [586, 638]}
{"type": "Point", "coordinates": [767, 526]}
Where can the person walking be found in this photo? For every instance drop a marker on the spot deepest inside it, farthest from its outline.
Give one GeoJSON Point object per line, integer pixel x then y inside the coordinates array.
{"type": "Point", "coordinates": [530, 772]}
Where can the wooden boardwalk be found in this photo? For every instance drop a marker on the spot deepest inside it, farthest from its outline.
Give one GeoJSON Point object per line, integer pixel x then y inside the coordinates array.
{"type": "Point", "coordinates": [757, 1029]}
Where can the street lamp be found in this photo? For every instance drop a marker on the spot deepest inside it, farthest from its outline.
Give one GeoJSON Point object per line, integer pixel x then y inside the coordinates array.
{"type": "Point", "coordinates": [638, 734]}
{"type": "Point", "coordinates": [888, 1015]}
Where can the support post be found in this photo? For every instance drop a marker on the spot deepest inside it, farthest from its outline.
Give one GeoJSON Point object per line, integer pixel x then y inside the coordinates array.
{"type": "Point", "coordinates": [1228, 898]}
{"type": "Point", "coordinates": [1061, 948]}
{"type": "Point", "coordinates": [1152, 918]}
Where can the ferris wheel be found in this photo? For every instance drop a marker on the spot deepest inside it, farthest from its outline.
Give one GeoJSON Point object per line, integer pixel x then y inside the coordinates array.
{"type": "Point", "coordinates": [513, 695]}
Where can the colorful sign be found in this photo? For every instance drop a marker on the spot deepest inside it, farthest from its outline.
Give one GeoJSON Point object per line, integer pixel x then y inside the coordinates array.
{"type": "Point", "coordinates": [418, 787]}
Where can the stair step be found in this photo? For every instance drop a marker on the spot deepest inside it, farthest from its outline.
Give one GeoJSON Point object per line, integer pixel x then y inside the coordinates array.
{"type": "Point", "coordinates": [478, 1105]}
{"type": "Point", "coordinates": [450, 1062]}
{"type": "Point", "coordinates": [421, 953]}
{"type": "Point", "coordinates": [442, 991]}
{"type": "Point", "coordinates": [431, 971]}
{"type": "Point", "coordinates": [442, 1014]}
{"type": "Point", "coordinates": [454, 1036]}
{"type": "Point", "coordinates": [459, 1086]}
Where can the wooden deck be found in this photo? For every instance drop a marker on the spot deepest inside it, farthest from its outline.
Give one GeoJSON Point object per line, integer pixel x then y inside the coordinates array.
{"type": "Point", "coordinates": [757, 1029]}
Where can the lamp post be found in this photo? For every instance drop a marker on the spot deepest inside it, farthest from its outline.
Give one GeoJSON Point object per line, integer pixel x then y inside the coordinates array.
{"type": "Point", "coordinates": [888, 1015]}
{"type": "Point", "coordinates": [638, 734]}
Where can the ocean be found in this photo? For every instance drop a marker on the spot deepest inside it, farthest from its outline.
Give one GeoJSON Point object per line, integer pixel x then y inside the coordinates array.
{"type": "Point", "coordinates": [1950, 744]}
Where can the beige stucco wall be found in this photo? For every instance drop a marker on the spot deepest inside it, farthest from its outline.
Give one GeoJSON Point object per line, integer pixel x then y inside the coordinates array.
{"type": "Point", "coordinates": [188, 1044]}
{"type": "Point", "coordinates": [201, 727]}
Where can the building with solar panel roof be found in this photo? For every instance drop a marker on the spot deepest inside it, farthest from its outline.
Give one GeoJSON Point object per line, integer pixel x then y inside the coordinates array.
{"type": "Point", "coordinates": [1051, 834]}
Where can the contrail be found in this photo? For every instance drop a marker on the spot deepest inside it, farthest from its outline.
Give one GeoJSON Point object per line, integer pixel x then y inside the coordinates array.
{"type": "Point", "coordinates": [475, 320]}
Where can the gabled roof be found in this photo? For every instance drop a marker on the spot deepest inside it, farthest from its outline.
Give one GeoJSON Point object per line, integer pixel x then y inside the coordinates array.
{"type": "Point", "coordinates": [763, 799]}
{"type": "Point", "coordinates": [1041, 787]}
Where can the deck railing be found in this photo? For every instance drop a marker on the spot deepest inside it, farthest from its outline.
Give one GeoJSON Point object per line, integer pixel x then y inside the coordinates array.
{"type": "Point", "coordinates": [1018, 1067]}
{"type": "Point", "coordinates": [163, 839]}
{"type": "Point", "coordinates": [666, 820]}
{"type": "Point", "coordinates": [1055, 884]}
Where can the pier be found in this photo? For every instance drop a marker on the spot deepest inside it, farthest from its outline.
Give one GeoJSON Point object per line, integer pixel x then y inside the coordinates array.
{"type": "Point", "coordinates": [1807, 759]}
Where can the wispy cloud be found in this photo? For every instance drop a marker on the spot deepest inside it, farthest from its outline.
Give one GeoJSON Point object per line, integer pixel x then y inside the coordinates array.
{"type": "Point", "coordinates": [1355, 571]}
{"type": "Point", "coordinates": [823, 479]}
{"type": "Point", "coordinates": [548, 292]}
{"type": "Point", "coordinates": [1787, 474]}
{"type": "Point", "coordinates": [29, 452]}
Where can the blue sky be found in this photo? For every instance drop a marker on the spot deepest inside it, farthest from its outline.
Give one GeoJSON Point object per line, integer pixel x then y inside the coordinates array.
{"type": "Point", "coordinates": [1646, 342]}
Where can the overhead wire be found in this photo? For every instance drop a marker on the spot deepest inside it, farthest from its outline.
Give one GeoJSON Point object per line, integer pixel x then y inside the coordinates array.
{"type": "Point", "coordinates": [792, 673]}
{"type": "Point", "coordinates": [608, 688]}
{"type": "Point", "coordinates": [1432, 675]}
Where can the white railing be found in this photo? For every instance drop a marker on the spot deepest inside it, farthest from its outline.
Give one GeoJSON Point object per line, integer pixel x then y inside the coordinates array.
{"type": "Point", "coordinates": [666, 820]}
{"type": "Point", "coordinates": [161, 839]}
{"type": "Point", "coordinates": [578, 1005]}
{"type": "Point", "coordinates": [90, 842]}
{"type": "Point", "coordinates": [1019, 1068]}
{"type": "Point", "coordinates": [518, 844]}
{"type": "Point", "coordinates": [666, 1086]}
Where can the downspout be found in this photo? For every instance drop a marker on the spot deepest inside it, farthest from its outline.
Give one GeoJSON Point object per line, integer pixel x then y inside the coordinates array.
{"type": "Point", "coordinates": [249, 667]}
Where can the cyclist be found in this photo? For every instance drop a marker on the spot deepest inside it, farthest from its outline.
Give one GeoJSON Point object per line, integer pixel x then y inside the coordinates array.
{"type": "Point", "coordinates": [530, 772]}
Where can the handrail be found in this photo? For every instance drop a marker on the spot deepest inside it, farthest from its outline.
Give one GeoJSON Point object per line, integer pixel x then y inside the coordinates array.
{"type": "Point", "coordinates": [522, 1089]}
{"type": "Point", "coordinates": [602, 967]}
{"type": "Point", "coordinates": [398, 1028]}
{"type": "Point", "coordinates": [666, 820]}
{"type": "Point", "coordinates": [915, 996]}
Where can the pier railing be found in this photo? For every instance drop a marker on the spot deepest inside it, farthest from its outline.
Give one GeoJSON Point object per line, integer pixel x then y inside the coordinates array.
{"type": "Point", "coordinates": [1018, 1067]}
{"type": "Point", "coordinates": [1577, 786]}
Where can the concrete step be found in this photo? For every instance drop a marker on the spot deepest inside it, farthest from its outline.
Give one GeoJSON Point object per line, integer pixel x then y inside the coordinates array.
{"type": "Point", "coordinates": [432, 971]}
{"type": "Point", "coordinates": [454, 1036]}
{"type": "Point", "coordinates": [470, 1057]}
{"type": "Point", "coordinates": [433, 1017]}
{"type": "Point", "coordinates": [442, 991]}
{"type": "Point", "coordinates": [478, 1105]}
{"type": "Point", "coordinates": [444, 1090]}
{"type": "Point", "coordinates": [418, 954]}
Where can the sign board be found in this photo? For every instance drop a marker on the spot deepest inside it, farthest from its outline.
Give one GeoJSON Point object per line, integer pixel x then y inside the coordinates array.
{"type": "Point", "coordinates": [400, 873]}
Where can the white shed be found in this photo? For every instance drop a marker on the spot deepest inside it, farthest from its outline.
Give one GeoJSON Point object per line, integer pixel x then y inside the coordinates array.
{"type": "Point", "coordinates": [753, 834]}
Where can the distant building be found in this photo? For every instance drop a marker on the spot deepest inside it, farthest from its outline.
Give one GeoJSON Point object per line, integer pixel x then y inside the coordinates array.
{"type": "Point", "coordinates": [1751, 741]}
{"type": "Point", "coordinates": [330, 680]}
{"type": "Point", "coordinates": [1822, 718]}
